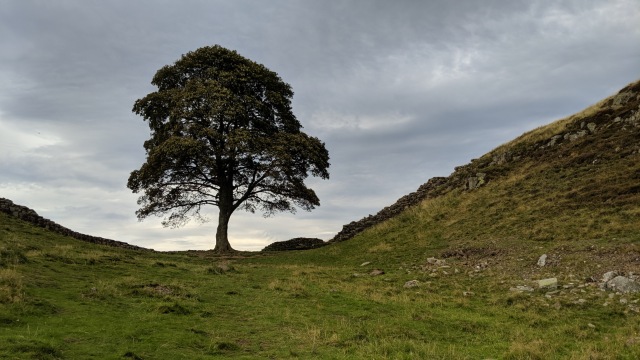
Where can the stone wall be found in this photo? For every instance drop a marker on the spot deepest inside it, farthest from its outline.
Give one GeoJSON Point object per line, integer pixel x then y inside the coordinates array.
{"type": "Point", "coordinates": [26, 214]}
{"type": "Point", "coordinates": [295, 244]}
{"type": "Point", "coordinates": [434, 187]}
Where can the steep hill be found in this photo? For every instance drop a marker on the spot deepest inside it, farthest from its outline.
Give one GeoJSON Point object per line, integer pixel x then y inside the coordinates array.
{"type": "Point", "coordinates": [577, 177]}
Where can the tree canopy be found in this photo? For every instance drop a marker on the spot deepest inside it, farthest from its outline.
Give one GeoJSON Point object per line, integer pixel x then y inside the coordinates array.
{"type": "Point", "coordinates": [223, 133]}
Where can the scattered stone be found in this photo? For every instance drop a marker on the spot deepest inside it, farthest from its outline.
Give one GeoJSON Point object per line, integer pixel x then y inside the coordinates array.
{"type": "Point", "coordinates": [623, 284]}
{"type": "Point", "coordinates": [554, 140]}
{"type": "Point", "coordinates": [608, 276]}
{"type": "Point", "coordinates": [522, 288]}
{"type": "Point", "coordinates": [435, 261]}
{"type": "Point", "coordinates": [591, 325]}
{"type": "Point", "coordinates": [542, 261]}
{"type": "Point", "coordinates": [475, 182]}
{"type": "Point", "coordinates": [376, 272]}
{"type": "Point", "coordinates": [468, 293]}
{"type": "Point", "coordinates": [551, 283]}
{"type": "Point", "coordinates": [411, 284]}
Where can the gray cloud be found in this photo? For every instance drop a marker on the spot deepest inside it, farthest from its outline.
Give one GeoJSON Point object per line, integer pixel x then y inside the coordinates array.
{"type": "Point", "coordinates": [399, 91]}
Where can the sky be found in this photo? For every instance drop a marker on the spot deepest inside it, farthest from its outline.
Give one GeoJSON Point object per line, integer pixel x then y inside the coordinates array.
{"type": "Point", "coordinates": [400, 91]}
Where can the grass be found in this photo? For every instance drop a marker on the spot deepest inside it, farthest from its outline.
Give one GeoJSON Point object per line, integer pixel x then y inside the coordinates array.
{"type": "Point", "coordinates": [578, 202]}
{"type": "Point", "coordinates": [67, 300]}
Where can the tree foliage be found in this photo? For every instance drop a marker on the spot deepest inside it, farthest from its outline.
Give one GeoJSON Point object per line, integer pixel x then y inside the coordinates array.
{"type": "Point", "coordinates": [223, 133]}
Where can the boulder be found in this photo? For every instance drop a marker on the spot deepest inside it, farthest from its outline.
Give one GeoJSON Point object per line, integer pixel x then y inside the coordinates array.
{"type": "Point", "coordinates": [542, 261]}
{"type": "Point", "coordinates": [623, 284]}
{"type": "Point", "coordinates": [411, 284]}
{"type": "Point", "coordinates": [548, 284]}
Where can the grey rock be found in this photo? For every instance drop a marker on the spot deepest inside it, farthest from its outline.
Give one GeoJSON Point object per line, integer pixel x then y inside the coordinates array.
{"type": "Point", "coordinates": [522, 288]}
{"type": "Point", "coordinates": [542, 260]}
{"type": "Point", "coordinates": [623, 284]}
{"type": "Point", "coordinates": [554, 140]}
{"type": "Point", "coordinates": [411, 284]}
{"type": "Point", "coordinates": [608, 276]}
{"type": "Point", "coordinates": [548, 284]}
{"type": "Point", "coordinates": [434, 261]}
{"type": "Point", "coordinates": [475, 182]}
{"type": "Point", "coordinates": [376, 272]}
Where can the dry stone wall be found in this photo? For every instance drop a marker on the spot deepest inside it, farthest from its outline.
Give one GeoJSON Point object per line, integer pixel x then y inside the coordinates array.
{"type": "Point", "coordinates": [26, 214]}
{"type": "Point", "coordinates": [295, 244]}
{"type": "Point", "coordinates": [434, 187]}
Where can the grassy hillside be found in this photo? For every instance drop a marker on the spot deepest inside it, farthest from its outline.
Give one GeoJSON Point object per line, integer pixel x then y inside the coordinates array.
{"type": "Point", "coordinates": [569, 190]}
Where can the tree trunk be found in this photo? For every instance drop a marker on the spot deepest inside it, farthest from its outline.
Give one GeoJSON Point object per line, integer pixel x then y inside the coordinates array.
{"type": "Point", "coordinates": [222, 239]}
{"type": "Point", "coordinates": [225, 206]}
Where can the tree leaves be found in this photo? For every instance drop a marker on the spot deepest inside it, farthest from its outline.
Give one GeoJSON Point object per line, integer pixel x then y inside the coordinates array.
{"type": "Point", "coordinates": [223, 133]}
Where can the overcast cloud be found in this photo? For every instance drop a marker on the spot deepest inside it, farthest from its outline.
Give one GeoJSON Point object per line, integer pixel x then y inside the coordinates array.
{"type": "Point", "coordinates": [400, 91]}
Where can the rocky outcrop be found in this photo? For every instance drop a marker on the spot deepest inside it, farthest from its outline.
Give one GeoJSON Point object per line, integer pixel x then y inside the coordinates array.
{"type": "Point", "coordinates": [26, 214]}
{"type": "Point", "coordinates": [295, 244]}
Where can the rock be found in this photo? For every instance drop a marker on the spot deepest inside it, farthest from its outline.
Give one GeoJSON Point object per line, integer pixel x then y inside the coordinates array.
{"type": "Point", "coordinates": [411, 284]}
{"type": "Point", "coordinates": [576, 135]}
{"type": "Point", "coordinates": [554, 140]}
{"type": "Point", "coordinates": [475, 182]}
{"type": "Point", "coordinates": [376, 272]}
{"type": "Point", "coordinates": [547, 284]}
{"type": "Point", "coordinates": [623, 284]}
{"type": "Point", "coordinates": [591, 127]}
{"type": "Point", "coordinates": [365, 263]}
{"type": "Point", "coordinates": [608, 276]}
{"type": "Point", "coordinates": [522, 288]}
{"type": "Point", "coordinates": [295, 244]}
{"type": "Point", "coordinates": [542, 261]}
{"type": "Point", "coordinates": [435, 261]}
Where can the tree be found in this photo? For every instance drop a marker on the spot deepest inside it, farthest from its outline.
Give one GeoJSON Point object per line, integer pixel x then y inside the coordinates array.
{"type": "Point", "coordinates": [223, 133]}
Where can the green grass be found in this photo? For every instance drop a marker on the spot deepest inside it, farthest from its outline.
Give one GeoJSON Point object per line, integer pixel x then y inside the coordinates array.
{"type": "Point", "coordinates": [65, 299]}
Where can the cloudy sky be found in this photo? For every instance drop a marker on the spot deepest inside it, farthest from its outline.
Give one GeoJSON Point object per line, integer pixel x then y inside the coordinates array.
{"type": "Point", "coordinates": [400, 91]}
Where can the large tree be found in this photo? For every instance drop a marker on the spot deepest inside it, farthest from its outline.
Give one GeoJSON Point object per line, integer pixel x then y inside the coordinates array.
{"type": "Point", "coordinates": [223, 134]}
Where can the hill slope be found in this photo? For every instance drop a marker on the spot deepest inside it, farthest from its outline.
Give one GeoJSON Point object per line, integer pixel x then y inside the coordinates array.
{"type": "Point", "coordinates": [586, 164]}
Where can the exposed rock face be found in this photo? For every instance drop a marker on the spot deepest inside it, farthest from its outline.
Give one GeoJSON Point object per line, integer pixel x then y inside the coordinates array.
{"type": "Point", "coordinates": [29, 215]}
{"type": "Point", "coordinates": [295, 244]}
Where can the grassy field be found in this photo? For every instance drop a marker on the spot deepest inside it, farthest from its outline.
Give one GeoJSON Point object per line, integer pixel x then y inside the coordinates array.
{"type": "Point", "coordinates": [65, 299]}
{"type": "Point", "coordinates": [577, 201]}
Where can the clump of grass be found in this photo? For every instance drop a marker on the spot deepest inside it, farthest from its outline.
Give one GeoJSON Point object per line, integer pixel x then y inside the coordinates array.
{"type": "Point", "coordinates": [12, 256]}
{"type": "Point", "coordinates": [174, 308]}
{"type": "Point", "coordinates": [220, 269]}
{"type": "Point", "coordinates": [11, 288]}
